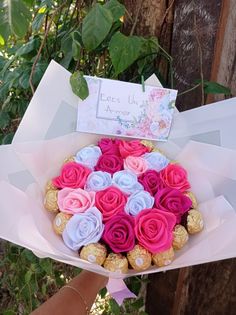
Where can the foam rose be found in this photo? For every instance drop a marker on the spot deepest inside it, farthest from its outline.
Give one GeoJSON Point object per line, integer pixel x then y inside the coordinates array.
{"type": "Point", "coordinates": [172, 200]}
{"type": "Point", "coordinates": [175, 176]}
{"type": "Point", "coordinates": [154, 229]}
{"type": "Point", "coordinates": [83, 229]}
{"type": "Point", "coordinates": [109, 146]}
{"type": "Point", "coordinates": [139, 201]}
{"type": "Point", "coordinates": [127, 182]}
{"type": "Point", "coordinates": [74, 201]}
{"type": "Point", "coordinates": [135, 164]}
{"type": "Point", "coordinates": [133, 148]}
{"type": "Point", "coordinates": [97, 181]}
{"type": "Point", "coordinates": [151, 181]}
{"type": "Point", "coordinates": [119, 233]}
{"type": "Point", "coordinates": [109, 163]}
{"type": "Point", "coordinates": [72, 175]}
{"type": "Point", "coordinates": [156, 161]}
{"type": "Point", "coordinates": [88, 156]}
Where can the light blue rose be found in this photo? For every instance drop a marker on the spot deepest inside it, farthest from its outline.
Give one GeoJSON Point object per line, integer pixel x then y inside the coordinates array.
{"type": "Point", "coordinates": [127, 182]}
{"type": "Point", "coordinates": [88, 156]}
{"type": "Point", "coordinates": [97, 181]}
{"type": "Point", "coordinates": [83, 229]}
{"type": "Point", "coordinates": [156, 161]}
{"type": "Point", "coordinates": [139, 201]}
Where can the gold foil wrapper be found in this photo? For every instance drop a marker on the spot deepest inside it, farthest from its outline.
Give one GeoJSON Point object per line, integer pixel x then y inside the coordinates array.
{"type": "Point", "coordinates": [194, 221]}
{"type": "Point", "coordinates": [50, 201]}
{"type": "Point", "coordinates": [69, 159]}
{"type": "Point", "coordinates": [192, 198]}
{"type": "Point", "coordinates": [116, 263]}
{"type": "Point", "coordinates": [50, 186]}
{"type": "Point", "coordinates": [95, 253]}
{"type": "Point", "coordinates": [60, 221]}
{"type": "Point", "coordinates": [139, 258]}
{"type": "Point", "coordinates": [148, 144]}
{"type": "Point", "coordinates": [164, 258]}
{"type": "Point", "coordinates": [180, 235]}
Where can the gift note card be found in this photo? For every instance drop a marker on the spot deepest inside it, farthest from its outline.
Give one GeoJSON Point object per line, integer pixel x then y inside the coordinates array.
{"type": "Point", "coordinates": [124, 109]}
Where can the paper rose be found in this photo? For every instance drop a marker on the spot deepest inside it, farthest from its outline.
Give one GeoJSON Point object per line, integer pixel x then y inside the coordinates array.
{"type": "Point", "coordinates": [83, 229]}
{"type": "Point", "coordinates": [127, 182]}
{"type": "Point", "coordinates": [74, 201]}
{"type": "Point", "coordinates": [133, 148]}
{"type": "Point", "coordinates": [175, 176]}
{"type": "Point", "coordinates": [153, 229]}
{"type": "Point", "coordinates": [98, 181]}
{"type": "Point", "coordinates": [139, 201]}
{"type": "Point", "coordinates": [109, 163]}
{"type": "Point", "coordinates": [172, 200]}
{"type": "Point", "coordinates": [88, 156]}
{"type": "Point", "coordinates": [109, 146]}
{"type": "Point", "coordinates": [135, 164]}
{"type": "Point", "coordinates": [156, 161]}
{"type": "Point", "coordinates": [119, 233]}
{"type": "Point", "coordinates": [110, 202]}
{"type": "Point", "coordinates": [151, 181]}
{"type": "Point", "coordinates": [72, 175]}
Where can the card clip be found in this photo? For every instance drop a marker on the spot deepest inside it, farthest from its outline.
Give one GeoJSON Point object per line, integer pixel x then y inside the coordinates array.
{"type": "Point", "coordinates": [143, 84]}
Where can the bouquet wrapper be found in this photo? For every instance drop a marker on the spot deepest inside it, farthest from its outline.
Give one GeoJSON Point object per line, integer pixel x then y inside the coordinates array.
{"type": "Point", "coordinates": [45, 138]}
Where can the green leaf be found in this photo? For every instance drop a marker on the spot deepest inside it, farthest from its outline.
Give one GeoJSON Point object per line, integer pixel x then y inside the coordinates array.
{"type": "Point", "coordinates": [28, 47]}
{"type": "Point", "coordinates": [148, 53]}
{"type": "Point", "coordinates": [4, 120]}
{"type": "Point", "coordinates": [76, 47]}
{"type": "Point", "coordinates": [215, 88]}
{"type": "Point", "coordinates": [9, 312]}
{"type": "Point", "coordinates": [2, 41]}
{"type": "Point", "coordinates": [8, 138]}
{"type": "Point", "coordinates": [28, 276]}
{"type": "Point", "coordinates": [79, 85]}
{"type": "Point", "coordinates": [46, 265]}
{"type": "Point", "coordinates": [115, 309]}
{"type": "Point", "coordinates": [96, 26]}
{"type": "Point", "coordinates": [103, 293]}
{"type": "Point", "coordinates": [137, 304]}
{"type": "Point", "coordinates": [117, 9]}
{"type": "Point", "coordinates": [15, 17]}
{"type": "Point", "coordinates": [38, 21]}
{"type": "Point", "coordinates": [124, 51]}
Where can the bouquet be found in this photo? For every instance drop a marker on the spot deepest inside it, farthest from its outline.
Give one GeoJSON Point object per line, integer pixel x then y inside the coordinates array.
{"type": "Point", "coordinates": [123, 204]}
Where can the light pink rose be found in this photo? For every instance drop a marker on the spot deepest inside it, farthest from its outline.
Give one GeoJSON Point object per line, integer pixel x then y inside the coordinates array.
{"type": "Point", "coordinates": [135, 164]}
{"type": "Point", "coordinates": [74, 201]}
{"type": "Point", "coordinates": [133, 147]}
{"type": "Point", "coordinates": [175, 176]}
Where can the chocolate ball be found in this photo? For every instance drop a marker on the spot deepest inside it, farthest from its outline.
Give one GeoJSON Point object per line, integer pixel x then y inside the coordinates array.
{"type": "Point", "coordinates": [69, 159]}
{"type": "Point", "coordinates": [148, 144]}
{"type": "Point", "coordinates": [180, 235]}
{"type": "Point", "coordinates": [116, 263]}
{"type": "Point", "coordinates": [139, 258]}
{"type": "Point", "coordinates": [60, 221]}
{"type": "Point", "coordinates": [192, 198]}
{"type": "Point", "coordinates": [194, 221]}
{"type": "Point", "coordinates": [95, 253]}
{"type": "Point", "coordinates": [50, 186]}
{"type": "Point", "coordinates": [50, 201]}
{"type": "Point", "coordinates": [164, 258]}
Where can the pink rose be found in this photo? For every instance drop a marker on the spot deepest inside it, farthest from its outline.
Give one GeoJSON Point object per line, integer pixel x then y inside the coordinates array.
{"type": "Point", "coordinates": [119, 233]}
{"type": "Point", "coordinates": [175, 176]}
{"type": "Point", "coordinates": [153, 229]}
{"type": "Point", "coordinates": [109, 163]}
{"type": "Point", "coordinates": [135, 164]}
{"type": "Point", "coordinates": [172, 200]}
{"type": "Point", "coordinates": [134, 148]}
{"type": "Point", "coordinates": [151, 181]}
{"type": "Point", "coordinates": [110, 201]}
{"type": "Point", "coordinates": [73, 175]}
{"type": "Point", "coordinates": [109, 146]}
{"type": "Point", "coordinates": [74, 201]}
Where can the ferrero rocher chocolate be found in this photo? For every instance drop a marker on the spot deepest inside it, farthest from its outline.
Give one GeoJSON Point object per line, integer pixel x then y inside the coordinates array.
{"type": "Point", "coordinates": [50, 201]}
{"type": "Point", "coordinates": [50, 186]}
{"type": "Point", "coordinates": [139, 258]}
{"type": "Point", "coordinates": [69, 159]}
{"type": "Point", "coordinates": [59, 222]}
{"type": "Point", "coordinates": [194, 221]}
{"type": "Point", "coordinates": [193, 199]}
{"type": "Point", "coordinates": [164, 258]}
{"type": "Point", "coordinates": [148, 144]}
{"type": "Point", "coordinates": [180, 235]}
{"type": "Point", "coordinates": [116, 263]}
{"type": "Point", "coordinates": [95, 253]}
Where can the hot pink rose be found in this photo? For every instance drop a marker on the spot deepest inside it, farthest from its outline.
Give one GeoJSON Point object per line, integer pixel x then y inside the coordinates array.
{"type": "Point", "coordinates": [73, 175]}
{"type": "Point", "coordinates": [110, 201]}
{"type": "Point", "coordinates": [172, 200]}
{"type": "Point", "coordinates": [134, 148]}
{"type": "Point", "coordinates": [119, 233]}
{"type": "Point", "coordinates": [175, 176]}
{"type": "Point", "coordinates": [151, 181]}
{"type": "Point", "coordinates": [135, 164]}
{"type": "Point", "coordinates": [109, 163]}
{"type": "Point", "coordinates": [74, 201]}
{"type": "Point", "coordinates": [109, 146]}
{"type": "Point", "coordinates": [153, 229]}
